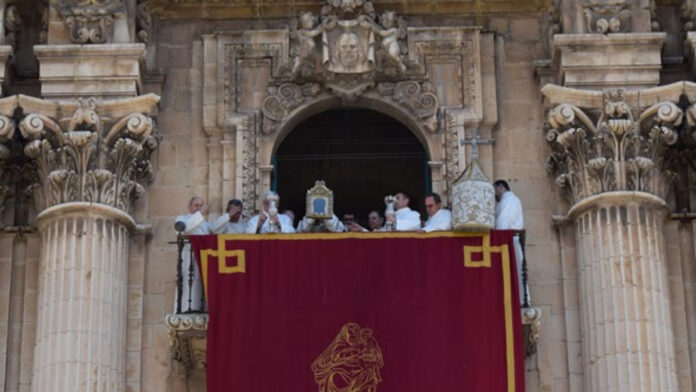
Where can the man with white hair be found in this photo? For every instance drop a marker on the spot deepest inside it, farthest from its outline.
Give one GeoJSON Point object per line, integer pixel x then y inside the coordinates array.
{"type": "Point", "coordinates": [192, 223]}
{"type": "Point", "coordinates": [269, 220]}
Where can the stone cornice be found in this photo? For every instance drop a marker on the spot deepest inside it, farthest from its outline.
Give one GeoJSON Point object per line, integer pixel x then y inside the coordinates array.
{"type": "Point", "coordinates": [594, 99]}
{"type": "Point", "coordinates": [246, 9]}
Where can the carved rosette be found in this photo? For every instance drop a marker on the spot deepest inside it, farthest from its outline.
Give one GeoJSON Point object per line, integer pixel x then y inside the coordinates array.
{"type": "Point", "coordinates": [91, 21]}
{"type": "Point", "coordinates": [618, 152]}
{"type": "Point", "coordinates": [92, 157]}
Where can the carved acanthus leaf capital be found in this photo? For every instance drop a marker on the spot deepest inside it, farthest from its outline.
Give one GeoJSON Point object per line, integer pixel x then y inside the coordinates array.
{"type": "Point", "coordinates": [95, 153]}
{"type": "Point", "coordinates": [91, 21]}
{"type": "Point", "coordinates": [617, 152]}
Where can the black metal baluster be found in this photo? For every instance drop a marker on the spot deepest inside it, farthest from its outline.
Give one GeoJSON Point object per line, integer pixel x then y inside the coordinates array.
{"type": "Point", "coordinates": [190, 280]}
{"type": "Point", "coordinates": [525, 304]}
{"type": "Point", "coordinates": [179, 275]}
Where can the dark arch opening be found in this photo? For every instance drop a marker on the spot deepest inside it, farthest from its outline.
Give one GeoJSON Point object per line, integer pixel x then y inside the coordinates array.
{"type": "Point", "coordinates": [361, 154]}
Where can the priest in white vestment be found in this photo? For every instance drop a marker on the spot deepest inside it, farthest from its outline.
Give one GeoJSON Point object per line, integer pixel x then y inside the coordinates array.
{"type": "Point", "coordinates": [191, 285]}
{"type": "Point", "coordinates": [312, 225]}
{"type": "Point", "coordinates": [269, 220]}
{"type": "Point", "coordinates": [404, 219]}
{"type": "Point", "coordinates": [232, 222]}
{"type": "Point", "coordinates": [439, 219]}
{"type": "Point", "coordinates": [508, 216]}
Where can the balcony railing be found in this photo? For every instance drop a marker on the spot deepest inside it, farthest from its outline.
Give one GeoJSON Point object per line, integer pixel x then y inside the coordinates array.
{"type": "Point", "coordinates": [188, 325]}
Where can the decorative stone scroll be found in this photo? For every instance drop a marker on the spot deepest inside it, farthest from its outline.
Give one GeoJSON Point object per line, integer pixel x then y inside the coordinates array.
{"type": "Point", "coordinates": [617, 152]}
{"type": "Point", "coordinates": [91, 21]}
{"type": "Point", "coordinates": [419, 98]}
{"type": "Point", "coordinates": [282, 100]}
{"type": "Point", "coordinates": [7, 130]}
{"type": "Point", "coordinates": [92, 152]}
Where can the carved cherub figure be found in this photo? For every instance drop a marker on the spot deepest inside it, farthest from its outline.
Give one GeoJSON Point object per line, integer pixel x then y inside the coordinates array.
{"type": "Point", "coordinates": [305, 37]}
{"type": "Point", "coordinates": [390, 31]}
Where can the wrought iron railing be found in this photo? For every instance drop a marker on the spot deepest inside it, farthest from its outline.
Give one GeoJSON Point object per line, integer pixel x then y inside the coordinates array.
{"type": "Point", "coordinates": [190, 297]}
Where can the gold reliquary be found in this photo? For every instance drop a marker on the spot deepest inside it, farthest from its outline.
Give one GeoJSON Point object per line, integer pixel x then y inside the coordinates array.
{"type": "Point", "coordinates": [319, 201]}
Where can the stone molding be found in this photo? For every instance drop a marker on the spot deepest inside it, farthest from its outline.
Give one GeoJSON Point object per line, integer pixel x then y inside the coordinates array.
{"type": "Point", "coordinates": [109, 71]}
{"type": "Point", "coordinates": [598, 61]}
{"type": "Point", "coordinates": [91, 21]}
{"type": "Point", "coordinates": [618, 198]}
{"type": "Point", "coordinates": [96, 152]}
{"type": "Point", "coordinates": [84, 209]}
{"type": "Point", "coordinates": [602, 146]}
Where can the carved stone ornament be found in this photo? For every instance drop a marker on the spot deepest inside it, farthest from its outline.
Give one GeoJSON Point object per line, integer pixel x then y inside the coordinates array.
{"type": "Point", "coordinates": [531, 324]}
{"type": "Point", "coordinates": [319, 201]}
{"type": "Point", "coordinates": [282, 100]}
{"type": "Point", "coordinates": [473, 201]}
{"type": "Point", "coordinates": [91, 21]}
{"type": "Point", "coordinates": [606, 16]}
{"type": "Point", "coordinates": [617, 152]}
{"type": "Point", "coordinates": [13, 24]}
{"type": "Point", "coordinates": [348, 48]}
{"type": "Point", "coordinates": [143, 21]}
{"type": "Point", "coordinates": [91, 152]}
{"type": "Point", "coordinates": [187, 339]}
{"type": "Point", "coordinates": [419, 98]}
{"type": "Point", "coordinates": [7, 130]}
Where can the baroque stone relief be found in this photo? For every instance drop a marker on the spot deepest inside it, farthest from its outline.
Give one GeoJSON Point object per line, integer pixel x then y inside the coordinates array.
{"type": "Point", "coordinates": [347, 52]}
{"type": "Point", "coordinates": [602, 16]}
{"type": "Point", "coordinates": [94, 152]}
{"type": "Point", "coordinates": [91, 21]}
{"type": "Point", "coordinates": [619, 151]}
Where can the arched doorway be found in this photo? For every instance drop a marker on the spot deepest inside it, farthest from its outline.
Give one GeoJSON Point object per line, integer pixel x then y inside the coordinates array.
{"type": "Point", "coordinates": [361, 154]}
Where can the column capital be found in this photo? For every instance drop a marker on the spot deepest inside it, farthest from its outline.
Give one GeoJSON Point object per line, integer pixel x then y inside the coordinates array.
{"type": "Point", "coordinates": [90, 151]}
{"type": "Point", "coordinates": [610, 141]}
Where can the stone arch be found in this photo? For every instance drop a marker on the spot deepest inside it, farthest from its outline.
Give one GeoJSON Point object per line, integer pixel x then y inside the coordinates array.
{"type": "Point", "coordinates": [431, 140]}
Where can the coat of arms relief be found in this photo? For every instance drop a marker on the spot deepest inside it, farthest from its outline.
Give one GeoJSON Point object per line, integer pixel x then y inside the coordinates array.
{"type": "Point", "coordinates": [349, 48]}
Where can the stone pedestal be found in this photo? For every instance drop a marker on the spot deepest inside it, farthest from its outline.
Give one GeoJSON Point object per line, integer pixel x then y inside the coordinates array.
{"type": "Point", "coordinates": [105, 71]}
{"type": "Point", "coordinates": [624, 295]}
{"type": "Point", "coordinates": [598, 61]}
{"type": "Point", "coordinates": [81, 330]}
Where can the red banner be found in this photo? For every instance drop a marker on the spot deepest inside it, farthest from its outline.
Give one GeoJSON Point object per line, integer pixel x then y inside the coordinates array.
{"type": "Point", "coordinates": [364, 312]}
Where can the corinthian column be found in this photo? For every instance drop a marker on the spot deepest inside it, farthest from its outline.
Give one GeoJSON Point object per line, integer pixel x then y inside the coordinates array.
{"type": "Point", "coordinates": [91, 159]}
{"type": "Point", "coordinates": [614, 174]}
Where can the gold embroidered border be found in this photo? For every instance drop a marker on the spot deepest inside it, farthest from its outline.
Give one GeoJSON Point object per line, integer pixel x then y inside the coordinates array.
{"type": "Point", "coordinates": [486, 250]}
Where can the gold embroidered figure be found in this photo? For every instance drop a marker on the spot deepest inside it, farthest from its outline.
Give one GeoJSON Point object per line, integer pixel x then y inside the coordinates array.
{"type": "Point", "coordinates": [351, 363]}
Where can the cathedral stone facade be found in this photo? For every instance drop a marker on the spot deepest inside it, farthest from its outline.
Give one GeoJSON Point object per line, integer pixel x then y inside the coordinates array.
{"type": "Point", "coordinates": [114, 113]}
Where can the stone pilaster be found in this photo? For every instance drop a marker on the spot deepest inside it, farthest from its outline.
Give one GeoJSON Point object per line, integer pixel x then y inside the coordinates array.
{"type": "Point", "coordinates": [92, 160]}
{"type": "Point", "coordinates": [610, 156]}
